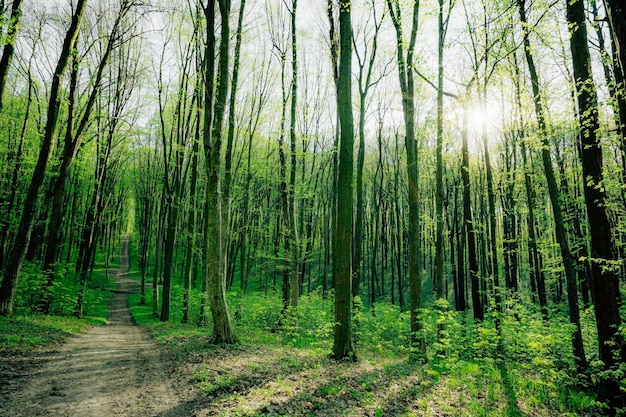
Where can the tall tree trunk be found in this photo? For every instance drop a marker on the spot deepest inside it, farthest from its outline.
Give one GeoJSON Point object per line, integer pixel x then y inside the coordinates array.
{"type": "Point", "coordinates": [537, 282]}
{"type": "Point", "coordinates": [616, 13]}
{"type": "Point", "coordinates": [9, 46]}
{"type": "Point", "coordinates": [209, 75]}
{"type": "Point", "coordinates": [468, 222]}
{"type": "Point", "coordinates": [228, 154]}
{"type": "Point", "coordinates": [439, 221]}
{"type": "Point", "coordinates": [612, 350]}
{"type": "Point", "coordinates": [223, 331]}
{"type": "Point", "coordinates": [364, 83]}
{"type": "Point", "coordinates": [191, 219]}
{"type": "Point", "coordinates": [491, 207]}
{"type": "Point", "coordinates": [284, 195]}
{"type": "Point", "coordinates": [461, 238]}
{"type": "Point", "coordinates": [553, 191]}
{"type": "Point", "coordinates": [294, 283]}
{"type": "Point", "coordinates": [405, 66]}
{"type": "Point", "coordinates": [343, 347]}
{"type": "Point", "coordinates": [509, 224]}
{"type": "Point", "coordinates": [334, 55]}
{"type": "Point", "coordinates": [9, 282]}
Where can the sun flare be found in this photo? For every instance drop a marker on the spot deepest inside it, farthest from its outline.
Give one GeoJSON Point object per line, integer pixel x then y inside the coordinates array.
{"type": "Point", "coordinates": [477, 117]}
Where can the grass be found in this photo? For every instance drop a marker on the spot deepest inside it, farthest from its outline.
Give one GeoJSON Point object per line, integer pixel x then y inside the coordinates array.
{"type": "Point", "coordinates": [22, 334]}
{"type": "Point", "coordinates": [28, 330]}
{"type": "Point", "coordinates": [468, 370]}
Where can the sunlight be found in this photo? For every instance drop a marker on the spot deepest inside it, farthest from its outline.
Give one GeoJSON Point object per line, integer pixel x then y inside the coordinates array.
{"type": "Point", "coordinates": [476, 117]}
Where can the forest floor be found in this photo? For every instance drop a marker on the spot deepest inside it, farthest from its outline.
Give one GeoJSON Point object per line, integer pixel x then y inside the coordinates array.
{"type": "Point", "coordinates": [111, 370]}
{"type": "Point", "coordinates": [169, 370]}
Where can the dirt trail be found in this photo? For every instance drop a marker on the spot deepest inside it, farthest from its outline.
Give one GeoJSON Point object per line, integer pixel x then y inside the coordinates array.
{"type": "Point", "coordinates": [112, 370]}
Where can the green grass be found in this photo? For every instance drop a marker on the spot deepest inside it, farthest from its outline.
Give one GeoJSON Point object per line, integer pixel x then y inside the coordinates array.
{"type": "Point", "coordinates": [22, 334]}
{"type": "Point", "coordinates": [466, 369]}
{"type": "Point", "coordinates": [28, 330]}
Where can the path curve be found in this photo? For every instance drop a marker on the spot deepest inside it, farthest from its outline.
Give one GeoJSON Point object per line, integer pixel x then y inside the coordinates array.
{"type": "Point", "coordinates": [111, 370]}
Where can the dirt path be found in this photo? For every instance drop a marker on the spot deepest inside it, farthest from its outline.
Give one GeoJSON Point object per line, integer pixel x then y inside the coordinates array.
{"type": "Point", "coordinates": [112, 370]}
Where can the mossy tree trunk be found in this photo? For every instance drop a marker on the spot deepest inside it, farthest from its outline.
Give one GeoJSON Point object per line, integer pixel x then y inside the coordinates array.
{"type": "Point", "coordinates": [343, 347]}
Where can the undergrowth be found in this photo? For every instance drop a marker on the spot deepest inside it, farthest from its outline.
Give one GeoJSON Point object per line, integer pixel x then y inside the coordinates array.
{"type": "Point", "coordinates": [525, 368]}
{"type": "Point", "coordinates": [28, 329]}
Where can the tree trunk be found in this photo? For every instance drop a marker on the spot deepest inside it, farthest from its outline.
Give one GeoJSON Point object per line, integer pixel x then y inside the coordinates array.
{"type": "Point", "coordinates": [191, 222]}
{"type": "Point", "coordinates": [468, 222]}
{"type": "Point", "coordinates": [293, 233]}
{"type": "Point", "coordinates": [491, 207]}
{"type": "Point", "coordinates": [9, 46]}
{"type": "Point", "coordinates": [343, 347]}
{"type": "Point", "coordinates": [439, 221]}
{"type": "Point", "coordinates": [9, 282]}
{"type": "Point", "coordinates": [559, 226]}
{"type": "Point", "coordinates": [405, 67]}
{"type": "Point", "coordinates": [228, 155]}
{"type": "Point", "coordinates": [612, 350]}
{"type": "Point", "coordinates": [223, 331]}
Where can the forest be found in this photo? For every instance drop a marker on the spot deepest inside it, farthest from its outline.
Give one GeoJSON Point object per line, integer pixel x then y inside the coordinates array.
{"type": "Point", "coordinates": [418, 207]}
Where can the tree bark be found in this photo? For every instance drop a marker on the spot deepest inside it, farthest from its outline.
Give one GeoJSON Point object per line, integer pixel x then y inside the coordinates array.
{"type": "Point", "coordinates": [343, 347]}
{"type": "Point", "coordinates": [405, 69]}
{"type": "Point", "coordinates": [223, 331]}
{"type": "Point", "coordinates": [553, 191]}
{"type": "Point", "coordinates": [612, 350]}
{"type": "Point", "coordinates": [9, 47]}
{"type": "Point", "coordinates": [9, 282]}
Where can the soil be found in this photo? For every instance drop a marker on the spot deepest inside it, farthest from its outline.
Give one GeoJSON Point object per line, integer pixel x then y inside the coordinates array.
{"type": "Point", "coordinates": [111, 370]}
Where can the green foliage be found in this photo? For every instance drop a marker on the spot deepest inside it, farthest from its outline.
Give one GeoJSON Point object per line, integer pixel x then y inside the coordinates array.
{"type": "Point", "coordinates": [63, 292]}
{"type": "Point", "coordinates": [31, 280]}
{"type": "Point", "coordinates": [254, 310]}
{"type": "Point", "coordinates": [387, 332]}
{"type": "Point", "coordinates": [524, 368]}
{"type": "Point", "coordinates": [443, 333]}
{"type": "Point", "coordinates": [23, 333]}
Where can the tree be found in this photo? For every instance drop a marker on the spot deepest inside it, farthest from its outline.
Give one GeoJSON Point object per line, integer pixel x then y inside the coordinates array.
{"type": "Point", "coordinates": [9, 282]}
{"type": "Point", "coordinates": [175, 147]}
{"type": "Point", "coordinates": [468, 222]}
{"type": "Point", "coordinates": [228, 157]}
{"type": "Point", "coordinates": [442, 22]}
{"type": "Point", "coordinates": [405, 72]}
{"type": "Point", "coordinates": [223, 331]}
{"type": "Point", "coordinates": [617, 19]}
{"type": "Point", "coordinates": [365, 83]}
{"type": "Point", "coordinates": [559, 224]}
{"type": "Point", "coordinates": [343, 347]}
{"type": "Point", "coordinates": [612, 350]}
{"type": "Point", "coordinates": [288, 226]}
{"type": "Point", "coordinates": [9, 47]}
